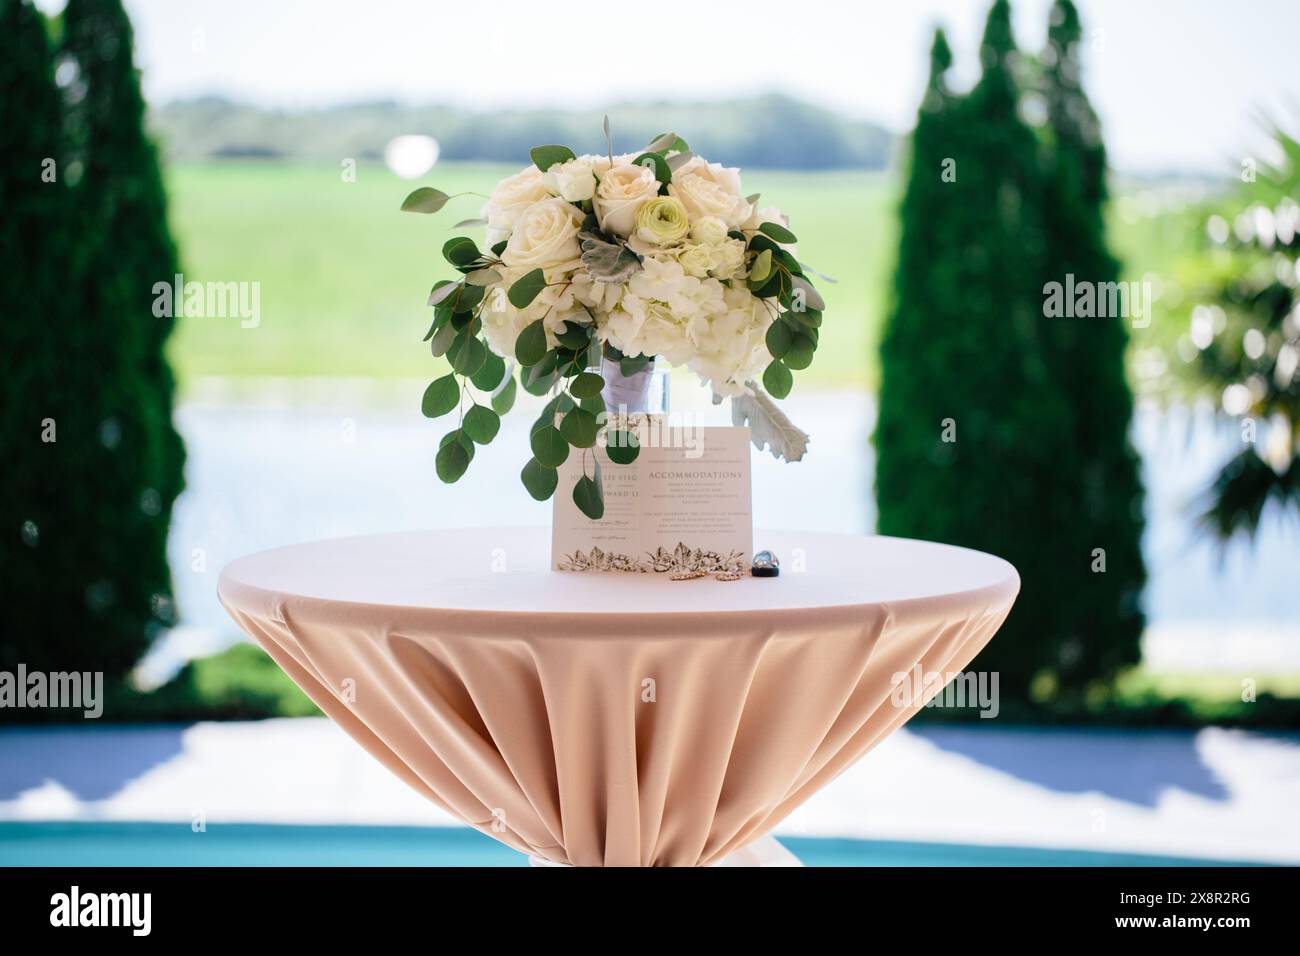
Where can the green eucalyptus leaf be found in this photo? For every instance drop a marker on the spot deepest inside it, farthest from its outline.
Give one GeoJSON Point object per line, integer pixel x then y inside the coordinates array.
{"type": "Point", "coordinates": [460, 250]}
{"type": "Point", "coordinates": [526, 288]}
{"type": "Point", "coordinates": [678, 160]}
{"type": "Point", "coordinates": [811, 318]}
{"type": "Point", "coordinates": [811, 298]}
{"type": "Point", "coordinates": [441, 289]}
{"type": "Point", "coordinates": [574, 336]}
{"type": "Point", "coordinates": [535, 384]}
{"type": "Point", "coordinates": [778, 232]}
{"type": "Point", "coordinates": [544, 157]}
{"type": "Point", "coordinates": [530, 347]}
{"type": "Point", "coordinates": [547, 365]}
{"type": "Point", "coordinates": [539, 479]}
{"type": "Point", "coordinates": [656, 163]}
{"type": "Point", "coordinates": [666, 142]}
{"type": "Point", "coordinates": [442, 395]}
{"type": "Point", "coordinates": [589, 496]}
{"type": "Point", "coordinates": [549, 446]}
{"type": "Point", "coordinates": [777, 380]}
{"type": "Point", "coordinates": [579, 428]}
{"type": "Point", "coordinates": [630, 366]}
{"type": "Point", "coordinates": [762, 267]}
{"type": "Point", "coordinates": [586, 385]}
{"type": "Point", "coordinates": [800, 354]}
{"type": "Point", "coordinates": [467, 354]}
{"type": "Point", "coordinates": [457, 435]}
{"type": "Point", "coordinates": [504, 400]}
{"type": "Point", "coordinates": [440, 318]}
{"type": "Point", "coordinates": [442, 339]}
{"type": "Point", "coordinates": [451, 461]}
{"type": "Point", "coordinates": [490, 373]}
{"type": "Point", "coordinates": [481, 424]}
{"type": "Point", "coordinates": [622, 446]}
{"type": "Point", "coordinates": [466, 299]}
{"type": "Point", "coordinates": [779, 339]}
{"type": "Point", "coordinates": [425, 199]}
{"type": "Point", "coordinates": [558, 405]}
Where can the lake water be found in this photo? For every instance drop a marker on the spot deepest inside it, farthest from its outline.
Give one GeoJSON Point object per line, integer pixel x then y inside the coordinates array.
{"type": "Point", "coordinates": [326, 460]}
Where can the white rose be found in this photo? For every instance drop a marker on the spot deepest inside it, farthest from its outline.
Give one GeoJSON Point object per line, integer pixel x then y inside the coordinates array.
{"type": "Point", "coordinates": [710, 230]}
{"type": "Point", "coordinates": [510, 199]}
{"type": "Point", "coordinates": [574, 180]}
{"type": "Point", "coordinates": [710, 189]}
{"type": "Point", "coordinates": [621, 194]}
{"type": "Point", "coordinates": [545, 236]}
{"type": "Point", "coordinates": [696, 260]}
{"type": "Point", "coordinates": [728, 259]}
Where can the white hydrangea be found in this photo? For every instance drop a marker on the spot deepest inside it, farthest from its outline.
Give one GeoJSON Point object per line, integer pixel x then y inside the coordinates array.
{"type": "Point", "coordinates": [715, 330]}
{"type": "Point", "coordinates": [731, 349]}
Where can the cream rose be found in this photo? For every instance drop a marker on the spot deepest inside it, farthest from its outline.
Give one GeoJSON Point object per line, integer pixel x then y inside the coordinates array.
{"type": "Point", "coordinates": [710, 230]}
{"type": "Point", "coordinates": [696, 260]}
{"type": "Point", "coordinates": [574, 180]}
{"type": "Point", "coordinates": [710, 189]}
{"type": "Point", "coordinates": [510, 199]}
{"type": "Point", "coordinates": [623, 190]}
{"type": "Point", "coordinates": [546, 236]}
{"type": "Point", "coordinates": [728, 259]}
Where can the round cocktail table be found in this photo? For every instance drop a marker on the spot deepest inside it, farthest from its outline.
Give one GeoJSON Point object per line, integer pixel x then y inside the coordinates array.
{"type": "Point", "coordinates": [606, 719]}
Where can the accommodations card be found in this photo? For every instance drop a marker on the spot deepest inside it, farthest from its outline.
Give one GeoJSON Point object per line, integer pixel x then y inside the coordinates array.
{"type": "Point", "coordinates": [682, 505]}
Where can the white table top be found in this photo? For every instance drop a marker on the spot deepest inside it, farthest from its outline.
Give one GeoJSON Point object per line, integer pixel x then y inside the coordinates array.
{"type": "Point", "coordinates": [508, 570]}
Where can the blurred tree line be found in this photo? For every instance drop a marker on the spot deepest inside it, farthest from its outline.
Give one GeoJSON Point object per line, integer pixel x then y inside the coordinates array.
{"type": "Point", "coordinates": [768, 131]}
{"type": "Point", "coordinates": [1000, 428]}
{"type": "Point", "coordinates": [92, 461]}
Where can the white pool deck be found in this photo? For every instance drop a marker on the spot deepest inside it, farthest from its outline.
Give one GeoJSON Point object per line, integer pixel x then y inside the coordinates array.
{"type": "Point", "coordinates": [1213, 793]}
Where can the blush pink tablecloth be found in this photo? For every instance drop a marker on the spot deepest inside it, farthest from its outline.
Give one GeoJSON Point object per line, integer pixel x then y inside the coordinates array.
{"type": "Point", "coordinates": [614, 719]}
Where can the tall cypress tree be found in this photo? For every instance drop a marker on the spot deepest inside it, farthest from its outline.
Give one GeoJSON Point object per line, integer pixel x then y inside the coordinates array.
{"type": "Point", "coordinates": [912, 460]}
{"type": "Point", "coordinates": [1101, 571]}
{"type": "Point", "coordinates": [34, 397]}
{"type": "Point", "coordinates": [973, 434]}
{"type": "Point", "coordinates": [91, 587]}
{"type": "Point", "coordinates": [121, 181]}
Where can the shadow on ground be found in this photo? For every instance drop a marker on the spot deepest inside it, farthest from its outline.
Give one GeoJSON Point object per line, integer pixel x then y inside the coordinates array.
{"type": "Point", "coordinates": [1134, 767]}
{"type": "Point", "coordinates": [91, 763]}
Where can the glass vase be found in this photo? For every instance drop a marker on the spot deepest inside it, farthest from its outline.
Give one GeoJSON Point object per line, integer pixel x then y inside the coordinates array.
{"type": "Point", "coordinates": [644, 392]}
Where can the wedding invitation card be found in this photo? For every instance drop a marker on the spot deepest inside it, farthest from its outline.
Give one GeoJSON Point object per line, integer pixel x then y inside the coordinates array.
{"type": "Point", "coordinates": [682, 505]}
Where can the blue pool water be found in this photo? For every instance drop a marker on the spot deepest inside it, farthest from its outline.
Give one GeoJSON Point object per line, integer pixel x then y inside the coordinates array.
{"type": "Point", "coordinates": [175, 844]}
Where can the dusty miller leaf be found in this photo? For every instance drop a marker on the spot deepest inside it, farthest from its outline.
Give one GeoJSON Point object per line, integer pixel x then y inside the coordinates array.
{"type": "Point", "coordinates": [608, 261]}
{"type": "Point", "coordinates": [768, 425]}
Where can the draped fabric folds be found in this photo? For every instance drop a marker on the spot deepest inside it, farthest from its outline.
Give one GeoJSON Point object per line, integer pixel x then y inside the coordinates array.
{"type": "Point", "coordinates": [596, 721]}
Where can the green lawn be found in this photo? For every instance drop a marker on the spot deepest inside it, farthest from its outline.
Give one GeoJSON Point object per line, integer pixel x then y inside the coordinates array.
{"type": "Point", "coordinates": [343, 274]}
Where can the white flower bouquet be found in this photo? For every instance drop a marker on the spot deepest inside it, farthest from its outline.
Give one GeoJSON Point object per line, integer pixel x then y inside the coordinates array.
{"type": "Point", "coordinates": [622, 258]}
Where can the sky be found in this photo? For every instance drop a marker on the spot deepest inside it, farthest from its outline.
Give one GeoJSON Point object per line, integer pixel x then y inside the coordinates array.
{"type": "Point", "coordinates": [1179, 84]}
